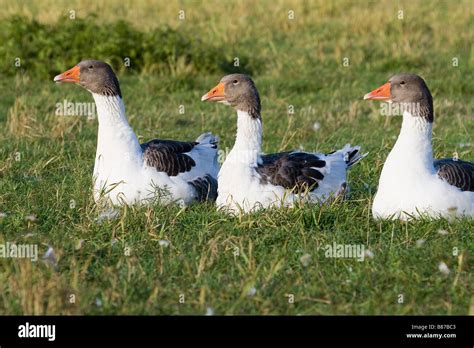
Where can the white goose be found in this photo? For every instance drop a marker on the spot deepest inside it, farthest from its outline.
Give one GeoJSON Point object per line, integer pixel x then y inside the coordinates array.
{"type": "Point", "coordinates": [126, 171]}
{"type": "Point", "coordinates": [249, 180]}
{"type": "Point", "coordinates": [412, 183]}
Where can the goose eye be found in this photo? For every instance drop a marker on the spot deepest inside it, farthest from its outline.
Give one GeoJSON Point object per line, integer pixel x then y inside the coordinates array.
{"type": "Point", "coordinates": [91, 67]}
{"type": "Point", "coordinates": [402, 83]}
{"type": "Point", "coordinates": [235, 82]}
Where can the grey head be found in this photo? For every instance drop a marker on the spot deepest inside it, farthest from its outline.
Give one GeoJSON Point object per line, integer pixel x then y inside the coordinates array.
{"type": "Point", "coordinates": [94, 75]}
{"type": "Point", "coordinates": [411, 89]}
{"type": "Point", "coordinates": [239, 91]}
{"type": "Point", "coordinates": [408, 90]}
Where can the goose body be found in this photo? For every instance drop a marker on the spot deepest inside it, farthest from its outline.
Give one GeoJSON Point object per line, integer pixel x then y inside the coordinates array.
{"type": "Point", "coordinates": [127, 172]}
{"type": "Point", "coordinates": [249, 180]}
{"type": "Point", "coordinates": [412, 183]}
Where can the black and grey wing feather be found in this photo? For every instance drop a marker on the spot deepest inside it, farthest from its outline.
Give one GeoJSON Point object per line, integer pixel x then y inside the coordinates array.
{"type": "Point", "coordinates": [169, 156]}
{"type": "Point", "coordinates": [206, 188]}
{"type": "Point", "coordinates": [456, 172]}
{"type": "Point", "coordinates": [292, 170]}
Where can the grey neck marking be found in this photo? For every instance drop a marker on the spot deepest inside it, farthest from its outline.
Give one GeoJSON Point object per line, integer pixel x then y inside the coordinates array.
{"type": "Point", "coordinates": [251, 105]}
{"type": "Point", "coordinates": [254, 112]}
{"type": "Point", "coordinates": [422, 108]}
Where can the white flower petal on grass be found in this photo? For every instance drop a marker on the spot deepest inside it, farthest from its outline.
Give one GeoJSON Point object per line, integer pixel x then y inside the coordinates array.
{"type": "Point", "coordinates": [164, 243]}
{"type": "Point", "coordinates": [443, 268]}
{"type": "Point", "coordinates": [442, 232]}
{"type": "Point", "coordinates": [252, 291]}
{"type": "Point", "coordinates": [98, 302]}
{"type": "Point", "coordinates": [369, 254]}
{"type": "Point", "coordinates": [31, 218]}
{"type": "Point", "coordinates": [305, 260]}
{"type": "Point", "coordinates": [209, 311]}
{"type": "Point", "coordinates": [316, 126]}
{"type": "Point", "coordinates": [420, 242]}
{"type": "Point", "coordinates": [2, 214]}
{"type": "Point", "coordinates": [107, 214]}
{"type": "Point", "coordinates": [50, 258]}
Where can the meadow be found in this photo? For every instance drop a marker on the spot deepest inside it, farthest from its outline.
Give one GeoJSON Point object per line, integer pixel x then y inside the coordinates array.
{"type": "Point", "coordinates": [196, 260]}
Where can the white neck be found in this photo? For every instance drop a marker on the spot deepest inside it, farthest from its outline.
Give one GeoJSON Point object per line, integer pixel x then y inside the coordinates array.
{"type": "Point", "coordinates": [116, 139]}
{"type": "Point", "coordinates": [414, 143]}
{"type": "Point", "coordinates": [248, 141]}
{"type": "Point", "coordinates": [110, 110]}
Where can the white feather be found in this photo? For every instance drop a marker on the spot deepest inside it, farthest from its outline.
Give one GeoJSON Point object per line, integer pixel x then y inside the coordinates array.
{"type": "Point", "coordinates": [409, 185]}
{"type": "Point", "coordinates": [120, 173]}
{"type": "Point", "coordinates": [240, 187]}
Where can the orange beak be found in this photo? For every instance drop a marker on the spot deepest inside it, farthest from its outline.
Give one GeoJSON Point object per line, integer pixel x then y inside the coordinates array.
{"type": "Point", "coordinates": [72, 75]}
{"type": "Point", "coordinates": [381, 93]}
{"type": "Point", "coordinates": [215, 94]}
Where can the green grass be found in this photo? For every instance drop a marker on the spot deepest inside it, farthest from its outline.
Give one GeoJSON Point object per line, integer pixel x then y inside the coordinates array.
{"type": "Point", "coordinates": [302, 67]}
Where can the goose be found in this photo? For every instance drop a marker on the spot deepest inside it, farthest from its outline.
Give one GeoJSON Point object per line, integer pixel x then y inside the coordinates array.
{"type": "Point", "coordinates": [127, 172]}
{"type": "Point", "coordinates": [249, 180]}
{"type": "Point", "coordinates": [412, 184]}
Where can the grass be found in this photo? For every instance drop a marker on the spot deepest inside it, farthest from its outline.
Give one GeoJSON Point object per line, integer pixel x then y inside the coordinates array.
{"type": "Point", "coordinates": [119, 266]}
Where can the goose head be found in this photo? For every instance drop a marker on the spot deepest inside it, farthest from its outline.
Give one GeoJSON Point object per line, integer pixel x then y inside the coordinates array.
{"type": "Point", "coordinates": [237, 90]}
{"type": "Point", "coordinates": [94, 75]}
{"type": "Point", "coordinates": [408, 90]}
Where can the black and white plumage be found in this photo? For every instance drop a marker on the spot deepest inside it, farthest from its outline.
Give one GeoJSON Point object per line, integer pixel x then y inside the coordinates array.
{"type": "Point", "coordinates": [249, 180]}
{"type": "Point", "coordinates": [206, 188]}
{"type": "Point", "coordinates": [456, 172]}
{"type": "Point", "coordinates": [126, 171]}
{"type": "Point", "coordinates": [412, 183]}
{"type": "Point", "coordinates": [299, 171]}
{"type": "Point", "coordinates": [169, 156]}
